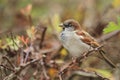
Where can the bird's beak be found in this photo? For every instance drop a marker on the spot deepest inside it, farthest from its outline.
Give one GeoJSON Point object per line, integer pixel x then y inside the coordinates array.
{"type": "Point", "coordinates": [61, 25]}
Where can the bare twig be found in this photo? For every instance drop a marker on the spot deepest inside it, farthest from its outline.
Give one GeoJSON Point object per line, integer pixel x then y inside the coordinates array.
{"type": "Point", "coordinates": [21, 57]}
{"type": "Point", "coordinates": [12, 65]}
{"type": "Point", "coordinates": [1, 75]}
{"type": "Point", "coordinates": [108, 36]}
{"type": "Point", "coordinates": [117, 72]}
{"type": "Point", "coordinates": [77, 60]}
{"type": "Point", "coordinates": [42, 37]}
{"type": "Point", "coordinates": [28, 51]}
{"type": "Point", "coordinates": [87, 74]}
{"type": "Point", "coordinates": [60, 77]}
{"type": "Point", "coordinates": [19, 69]}
{"type": "Point", "coordinates": [103, 78]}
{"type": "Point", "coordinates": [26, 57]}
{"type": "Point", "coordinates": [47, 51]}
{"type": "Point", "coordinates": [7, 67]}
{"type": "Point", "coordinates": [102, 52]}
{"type": "Point", "coordinates": [42, 62]}
{"type": "Point", "coordinates": [23, 66]}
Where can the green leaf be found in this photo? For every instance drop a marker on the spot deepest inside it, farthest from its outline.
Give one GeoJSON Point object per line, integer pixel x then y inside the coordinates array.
{"type": "Point", "coordinates": [112, 27]}
{"type": "Point", "coordinates": [102, 72]}
{"type": "Point", "coordinates": [11, 44]}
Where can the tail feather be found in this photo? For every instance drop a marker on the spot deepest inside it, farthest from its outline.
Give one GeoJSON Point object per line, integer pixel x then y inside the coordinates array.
{"type": "Point", "coordinates": [106, 59]}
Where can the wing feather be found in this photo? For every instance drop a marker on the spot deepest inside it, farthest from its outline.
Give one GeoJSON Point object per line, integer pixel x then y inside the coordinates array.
{"type": "Point", "coordinates": [88, 39]}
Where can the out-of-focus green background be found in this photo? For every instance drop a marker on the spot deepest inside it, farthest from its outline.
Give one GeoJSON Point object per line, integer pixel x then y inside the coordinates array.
{"type": "Point", "coordinates": [42, 9]}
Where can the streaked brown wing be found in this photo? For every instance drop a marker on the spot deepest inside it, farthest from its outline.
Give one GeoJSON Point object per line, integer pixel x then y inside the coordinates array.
{"type": "Point", "coordinates": [86, 38]}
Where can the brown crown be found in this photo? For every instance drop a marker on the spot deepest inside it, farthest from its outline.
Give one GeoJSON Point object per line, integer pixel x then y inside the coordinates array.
{"type": "Point", "coordinates": [73, 22]}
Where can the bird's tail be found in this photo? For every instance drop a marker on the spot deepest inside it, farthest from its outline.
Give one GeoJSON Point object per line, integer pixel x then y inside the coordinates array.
{"type": "Point", "coordinates": [106, 59]}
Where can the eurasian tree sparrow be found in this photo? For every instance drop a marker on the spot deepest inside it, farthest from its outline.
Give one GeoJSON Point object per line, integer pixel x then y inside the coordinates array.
{"type": "Point", "coordinates": [77, 41]}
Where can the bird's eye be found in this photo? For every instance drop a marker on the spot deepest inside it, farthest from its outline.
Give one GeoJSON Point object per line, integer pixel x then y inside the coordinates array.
{"type": "Point", "coordinates": [69, 24]}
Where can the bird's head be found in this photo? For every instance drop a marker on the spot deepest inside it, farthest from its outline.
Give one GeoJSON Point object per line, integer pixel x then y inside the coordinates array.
{"type": "Point", "coordinates": [70, 25]}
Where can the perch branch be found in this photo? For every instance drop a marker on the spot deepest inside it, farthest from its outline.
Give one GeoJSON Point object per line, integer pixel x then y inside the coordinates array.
{"type": "Point", "coordinates": [108, 36]}
{"type": "Point", "coordinates": [77, 60]}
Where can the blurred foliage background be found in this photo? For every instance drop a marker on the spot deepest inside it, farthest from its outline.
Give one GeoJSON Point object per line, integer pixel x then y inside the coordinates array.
{"type": "Point", "coordinates": [98, 17]}
{"type": "Point", "coordinates": [90, 13]}
{"type": "Point", "coordinates": [42, 9]}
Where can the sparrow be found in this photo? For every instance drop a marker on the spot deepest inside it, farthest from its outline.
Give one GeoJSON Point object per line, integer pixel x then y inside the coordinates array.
{"type": "Point", "coordinates": [77, 41]}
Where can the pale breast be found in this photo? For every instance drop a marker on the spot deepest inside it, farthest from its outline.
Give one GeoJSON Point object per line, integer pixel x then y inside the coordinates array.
{"type": "Point", "coordinates": [73, 43]}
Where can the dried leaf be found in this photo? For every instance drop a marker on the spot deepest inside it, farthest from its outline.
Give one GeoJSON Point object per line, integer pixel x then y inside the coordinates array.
{"type": "Point", "coordinates": [26, 10]}
{"type": "Point", "coordinates": [52, 72]}
{"type": "Point", "coordinates": [64, 52]}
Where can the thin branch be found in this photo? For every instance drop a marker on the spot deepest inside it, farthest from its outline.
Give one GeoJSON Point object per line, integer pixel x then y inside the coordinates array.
{"type": "Point", "coordinates": [26, 57]}
{"type": "Point", "coordinates": [42, 62]}
{"type": "Point", "coordinates": [108, 36]}
{"type": "Point", "coordinates": [12, 65]}
{"type": "Point", "coordinates": [87, 74]}
{"type": "Point", "coordinates": [19, 70]}
{"type": "Point", "coordinates": [1, 75]}
{"type": "Point", "coordinates": [103, 78]}
{"type": "Point", "coordinates": [42, 37]}
{"type": "Point", "coordinates": [60, 77]}
{"type": "Point", "coordinates": [23, 66]}
{"type": "Point", "coordinates": [77, 60]}
{"type": "Point", "coordinates": [7, 67]}
{"type": "Point", "coordinates": [27, 51]}
{"type": "Point", "coordinates": [106, 59]}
